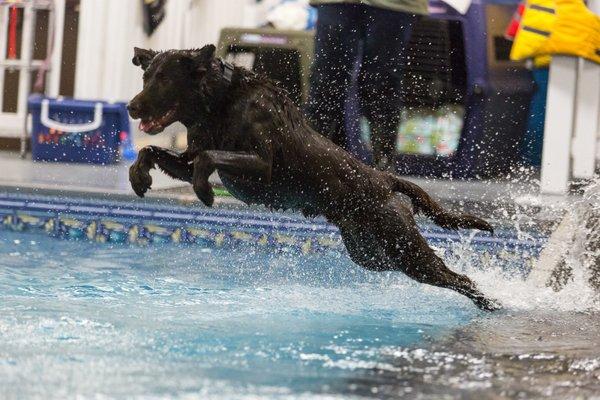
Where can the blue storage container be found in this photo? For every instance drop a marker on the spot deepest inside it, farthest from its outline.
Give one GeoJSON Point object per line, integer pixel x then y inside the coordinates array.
{"type": "Point", "coordinates": [71, 130]}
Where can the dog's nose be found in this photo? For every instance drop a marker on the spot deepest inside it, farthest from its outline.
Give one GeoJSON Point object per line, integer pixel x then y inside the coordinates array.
{"type": "Point", "coordinates": [133, 109]}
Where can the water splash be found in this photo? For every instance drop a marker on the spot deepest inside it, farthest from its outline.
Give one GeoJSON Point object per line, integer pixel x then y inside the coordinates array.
{"type": "Point", "coordinates": [565, 276]}
{"type": "Point", "coordinates": [570, 263]}
{"type": "Point", "coordinates": [573, 252]}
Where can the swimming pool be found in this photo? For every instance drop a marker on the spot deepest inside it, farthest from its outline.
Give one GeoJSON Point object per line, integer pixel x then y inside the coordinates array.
{"type": "Point", "coordinates": [166, 301]}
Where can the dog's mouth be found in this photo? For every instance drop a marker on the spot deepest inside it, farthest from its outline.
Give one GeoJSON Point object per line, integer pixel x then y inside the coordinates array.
{"type": "Point", "coordinates": [153, 125]}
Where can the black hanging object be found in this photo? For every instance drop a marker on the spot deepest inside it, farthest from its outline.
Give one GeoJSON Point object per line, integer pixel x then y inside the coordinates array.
{"type": "Point", "coordinates": [154, 13]}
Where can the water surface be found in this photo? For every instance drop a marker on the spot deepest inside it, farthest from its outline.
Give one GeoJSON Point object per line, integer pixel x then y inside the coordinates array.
{"type": "Point", "coordinates": [93, 320]}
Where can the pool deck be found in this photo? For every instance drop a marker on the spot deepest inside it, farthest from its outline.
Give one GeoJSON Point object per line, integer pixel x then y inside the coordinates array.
{"type": "Point", "coordinates": [499, 200]}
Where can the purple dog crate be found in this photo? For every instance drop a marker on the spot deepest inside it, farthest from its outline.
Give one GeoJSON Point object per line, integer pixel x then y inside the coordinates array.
{"type": "Point", "coordinates": [69, 130]}
{"type": "Point", "coordinates": [462, 60]}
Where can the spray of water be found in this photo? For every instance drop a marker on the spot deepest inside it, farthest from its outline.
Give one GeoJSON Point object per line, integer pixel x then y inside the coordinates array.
{"type": "Point", "coordinates": [565, 276]}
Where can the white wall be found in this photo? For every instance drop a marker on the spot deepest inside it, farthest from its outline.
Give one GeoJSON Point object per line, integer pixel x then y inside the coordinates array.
{"type": "Point", "coordinates": [109, 29]}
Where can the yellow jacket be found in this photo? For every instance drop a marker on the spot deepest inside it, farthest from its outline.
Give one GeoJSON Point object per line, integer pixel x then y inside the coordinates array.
{"type": "Point", "coordinates": [557, 27]}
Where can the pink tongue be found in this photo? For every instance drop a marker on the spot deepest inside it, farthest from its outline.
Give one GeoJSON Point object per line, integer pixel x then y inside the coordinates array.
{"type": "Point", "coordinates": [146, 126]}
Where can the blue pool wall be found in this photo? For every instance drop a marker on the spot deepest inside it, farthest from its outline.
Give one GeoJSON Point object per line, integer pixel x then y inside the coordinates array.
{"type": "Point", "coordinates": [135, 222]}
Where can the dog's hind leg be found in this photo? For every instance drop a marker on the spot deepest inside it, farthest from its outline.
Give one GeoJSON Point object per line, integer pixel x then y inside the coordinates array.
{"type": "Point", "coordinates": [173, 164]}
{"type": "Point", "coordinates": [427, 267]}
{"type": "Point", "coordinates": [359, 244]}
{"type": "Point", "coordinates": [388, 239]}
{"type": "Point", "coordinates": [422, 202]}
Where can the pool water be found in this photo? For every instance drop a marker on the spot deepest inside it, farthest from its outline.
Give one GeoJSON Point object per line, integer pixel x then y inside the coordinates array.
{"type": "Point", "coordinates": [88, 320]}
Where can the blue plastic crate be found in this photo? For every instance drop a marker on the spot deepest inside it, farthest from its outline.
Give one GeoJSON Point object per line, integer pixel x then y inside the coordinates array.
{"type": "Point", "coordinates": [69, 130]}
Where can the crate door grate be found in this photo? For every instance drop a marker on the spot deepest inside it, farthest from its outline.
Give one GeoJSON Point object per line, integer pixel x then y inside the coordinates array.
{"type": "Point", "coordinates": [431, 76]}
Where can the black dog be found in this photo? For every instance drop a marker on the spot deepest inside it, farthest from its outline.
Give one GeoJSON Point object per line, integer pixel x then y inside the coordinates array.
{"type": "Point", "coordinates": [248, 130]}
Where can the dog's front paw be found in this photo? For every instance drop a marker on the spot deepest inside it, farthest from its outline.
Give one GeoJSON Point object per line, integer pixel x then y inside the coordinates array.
{"type": "Point", "coordinates": [140, 179]}
{"type": "Point", "coordinates": [204, 191]}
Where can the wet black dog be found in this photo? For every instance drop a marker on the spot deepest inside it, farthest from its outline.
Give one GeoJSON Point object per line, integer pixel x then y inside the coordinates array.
{"type": "Point", "coordinates": [248, 130]}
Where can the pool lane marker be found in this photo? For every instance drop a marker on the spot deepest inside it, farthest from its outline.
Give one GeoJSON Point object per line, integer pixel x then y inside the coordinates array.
{"type": "Point", "coordinates": [231, 218]}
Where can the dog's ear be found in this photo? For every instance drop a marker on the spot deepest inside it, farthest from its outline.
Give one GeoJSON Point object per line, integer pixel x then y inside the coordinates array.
{"type": "Point", "coordinates": [143, 57]}
{"type": "Point", "coordinates": [207, 52]}
{"type": "Point", "coordinates": [203, 56]}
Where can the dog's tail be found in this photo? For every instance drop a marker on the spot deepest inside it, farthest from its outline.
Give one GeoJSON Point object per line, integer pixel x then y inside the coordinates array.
{"type": "Point", "coordinates": [422, 202]}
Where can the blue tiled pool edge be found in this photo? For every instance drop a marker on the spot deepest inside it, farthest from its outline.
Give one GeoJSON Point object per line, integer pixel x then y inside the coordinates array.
{"type": "Point", "coordinates": [131, 221]}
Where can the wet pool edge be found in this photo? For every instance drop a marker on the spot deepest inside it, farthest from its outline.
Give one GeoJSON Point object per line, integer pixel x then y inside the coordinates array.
{"type": "Point", "coordinates": [128, 220]}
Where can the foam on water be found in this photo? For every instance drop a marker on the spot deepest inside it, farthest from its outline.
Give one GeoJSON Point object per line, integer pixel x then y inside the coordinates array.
{"type": "Point", "coordinates": [564, 277]}
{"type": "Point", "coordinates": [518, 293]}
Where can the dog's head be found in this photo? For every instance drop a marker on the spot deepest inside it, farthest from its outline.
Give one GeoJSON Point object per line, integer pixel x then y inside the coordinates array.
{"type": "Point", "coordinates": [171, 80]}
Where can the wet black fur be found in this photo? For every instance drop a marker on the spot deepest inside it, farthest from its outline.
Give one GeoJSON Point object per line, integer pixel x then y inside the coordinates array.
{"type": "Point", "coordinates": [264, 151]}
